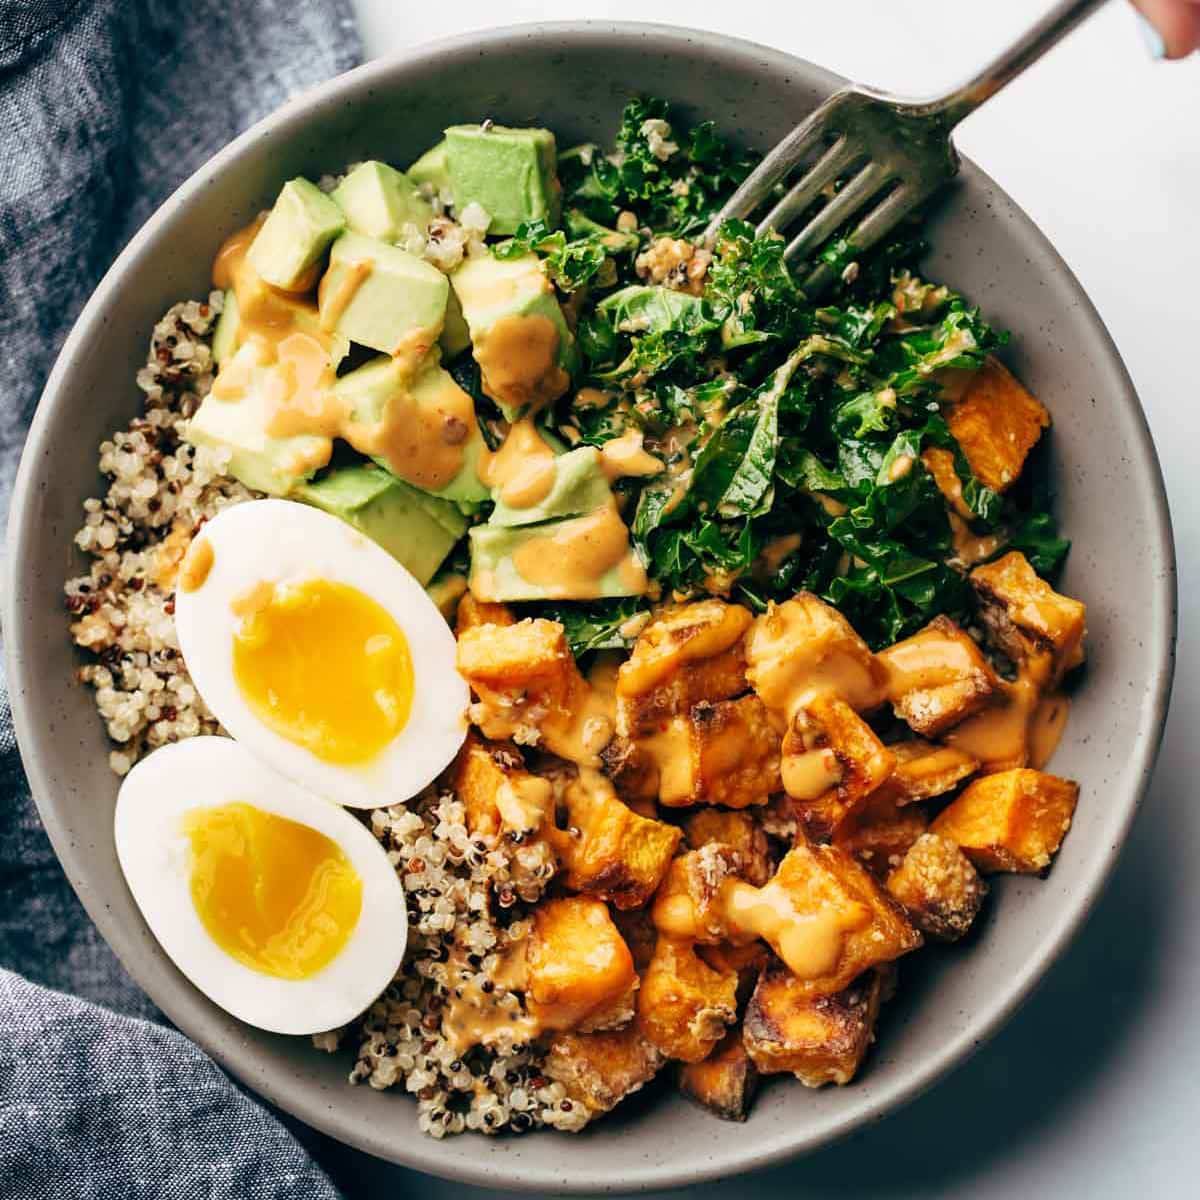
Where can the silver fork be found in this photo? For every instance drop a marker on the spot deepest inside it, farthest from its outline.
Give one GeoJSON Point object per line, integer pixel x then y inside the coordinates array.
{"type": "Point", "coordinates": [873, 141]}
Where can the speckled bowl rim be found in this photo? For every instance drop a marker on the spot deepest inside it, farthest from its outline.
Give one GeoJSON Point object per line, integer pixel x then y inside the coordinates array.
{"type": "Point", "coordinates": [195, 1015]}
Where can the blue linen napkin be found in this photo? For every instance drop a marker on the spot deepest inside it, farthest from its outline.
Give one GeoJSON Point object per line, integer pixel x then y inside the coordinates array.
{"type": "Point", "coordinates": [105, 107]}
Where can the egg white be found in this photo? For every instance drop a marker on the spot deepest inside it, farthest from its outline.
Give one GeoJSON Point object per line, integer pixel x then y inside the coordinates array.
{"type": "Point", "coordinates": [155, 855]}
{"type": "Point", "coordinates": [281, 541]}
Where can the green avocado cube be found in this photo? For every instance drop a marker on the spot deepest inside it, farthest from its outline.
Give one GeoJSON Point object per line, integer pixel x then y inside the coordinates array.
{"type": "Point", "coordinates": [380, 201]}
{"type": "Point", "coordinates": [511, 173]}
{"type": "Point", "coordinates": [455, 337]}
{"type": "Point", "coordinates": [495, 577]}
{"type": "Point", "coordinates": [431, 169]}
{"type": "Point", "coordinates": [579, 486]}
{"type": "Point", "coordinates": [225, 336]}
{"type": "Point", "coordinates": [238, 426]}
{"type": "Point", "coordinates": [382, 297]}
{"type": "Point", "coordinates": [417, 530]}
{"type": "Point", "coordinates": [492, 289]}
{"type": "Point", "coordinates": [371, 389]}
{"type": "Point", "coordinates": [295, 235]}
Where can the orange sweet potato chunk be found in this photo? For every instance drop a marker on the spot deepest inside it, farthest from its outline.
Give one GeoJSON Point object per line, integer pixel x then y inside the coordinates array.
{"type": "Point", "coordinates": [997, 423]}
{"type": "Point", "coordinates": [473, 613]}
{"type": "Point", "coordinates": [1026, 616]}
{"type": "Point", "coordinates": [924, 770]}
{"type": "Point", "coordinates": [937, 677]}
{"type": "Point", "coordinates": [847, 922]}
{"type": "Point", "coordinates": [1011, 821]}
{"type": "Point", "coordinates": [818, 1038]}
{"type": "Point", "coordinates": [831, 762]}
{"type": "Point", "coordinates": [609, 851]}
{"type": "Point", "coordinates": [725, 1082]}
{"type": "Point", "coordinates": [940, 890]}
{"type": "Point", "coordinates": [684, 1005]}
{"type": "Point", "coordinates": [577, 963]}
{"type": "Point", "coordinates": [599, 1070]}
{"type": "Point", "coordinates": [690, 904]}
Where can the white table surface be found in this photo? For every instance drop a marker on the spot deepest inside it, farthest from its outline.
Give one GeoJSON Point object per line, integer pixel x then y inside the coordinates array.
{"type": "Point", "coordinates": [1092, 1090]}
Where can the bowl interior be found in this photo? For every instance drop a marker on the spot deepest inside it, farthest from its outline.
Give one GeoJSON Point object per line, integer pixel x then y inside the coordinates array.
{"type": "Point", "coordinates": [576, 79]}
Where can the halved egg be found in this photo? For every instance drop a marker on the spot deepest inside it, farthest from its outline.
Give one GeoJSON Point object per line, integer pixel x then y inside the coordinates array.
{"type": "Point", "coordinates": [320, 653]}
{"type": "Point", "coordinates": [277, 904]}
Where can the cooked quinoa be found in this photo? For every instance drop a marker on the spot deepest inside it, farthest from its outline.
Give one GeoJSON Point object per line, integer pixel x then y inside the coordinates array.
{"type": "Point", "coordinates": [161, 490]}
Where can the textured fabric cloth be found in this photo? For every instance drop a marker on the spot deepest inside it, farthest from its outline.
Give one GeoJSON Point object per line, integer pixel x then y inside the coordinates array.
{"type": "Point", "coordinates": [105, 107]}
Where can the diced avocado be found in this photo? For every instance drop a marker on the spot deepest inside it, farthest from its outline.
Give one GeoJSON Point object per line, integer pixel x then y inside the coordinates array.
{"type": "Point", "coordinates": [579, 487]}
{"type": "Point", "coordinates": [369, 390]}
{"type": "Point", "coordinates": [380, 201]}
{"type": "Point", "coordinates": [225, 336]}
{"type": "Point", "coordinates": [509, 172]}
{"type": "Point", "coordinates": [495, 577]}
{"type": "Point", "coordinates": [417, 530]}
{"type": "Point", "coordinates": [491, 290]}
{"type": "Point", "coordinates": [238, 423]}
{"type": "Point", "coordinates": [455, 336]}
{"type": "Point", "coordinates": [431, 168]}
{"type": "Point", "coordinates": [646, 308]}
{"type": "Point", "coordinates": [381, 296]}
{"type": "Point", "coordinates": [446, 591]}
{"type": "Point", "coordinates": [295, 235]}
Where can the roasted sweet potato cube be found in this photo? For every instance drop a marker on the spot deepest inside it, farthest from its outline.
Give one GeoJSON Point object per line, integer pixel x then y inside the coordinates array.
{"type": "Point", "coordinates": [737, 829]}
{"type": "Point", "coordinates": [530, 689]}
{"type": "Point", "coordinates": [615, 855]}
{"type": "Point", "coordinates": [724, 753]}
{"type": "Point", "coordinates": [498, 793]}
{"type": "Point", "coordinates": [940, 890]}
{"type": "Point", "coordinates": [805, 647]}
{"type": "Point", "coordinates": [633, 769]}
{"type": "Point", "coordinates": [747, 959]}
{"type": "Point", "coordinates": [683, 1004]}
{"type": "Point", "coordinates": [924, 770]}
{"type": "Point", "coordinates": [824, 915]}
{"type": "Point", "coordinates": [818, 1038]}
{"type": "Point", "coordinates": [996, 422]}
{"type": "Point", "coordinates": [473, 613]}
{"type": "Point", "coordinates": [937, 677]}
{"type": "Point", "coordinates": [677, 637]}
{"type": "Point", "coordinates": [1027, 617]}
{"type": "Point", "coordinates": [690, 904]}
{"type": "Point", "coordinates": [880, 833]}
{"type": "Point", "coordinates": [725, 1082]}
{"type": "Point", "coordinates": [599, 1070]}
{"type": "Point", "coordinates": [1012, 820]}
{"type": "Point", "coordinates": [832, 761]}
{"type": "Point", "coordinates": [577, 963]}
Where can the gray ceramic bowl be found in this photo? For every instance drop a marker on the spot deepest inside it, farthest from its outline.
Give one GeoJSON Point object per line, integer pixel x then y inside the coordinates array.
{"type": "Point", "coordinates": [575, 78]}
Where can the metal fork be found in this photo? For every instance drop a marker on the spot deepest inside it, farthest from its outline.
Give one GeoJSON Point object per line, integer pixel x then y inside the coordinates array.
{"type": "Point", "coordinates": [873, 141]}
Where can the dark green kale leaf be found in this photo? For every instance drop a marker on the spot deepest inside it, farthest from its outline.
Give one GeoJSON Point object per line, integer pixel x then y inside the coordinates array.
{"type": "Point", "coordinates": [569, 264]}
{"type": "Point", "coordinates": [591, 626]}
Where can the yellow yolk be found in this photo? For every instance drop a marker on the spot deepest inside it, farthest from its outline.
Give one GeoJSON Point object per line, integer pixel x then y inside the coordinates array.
{"type": "Point", "coordinates": [326, 667]}
{"type": "Point", "coordinates": [276, 895]}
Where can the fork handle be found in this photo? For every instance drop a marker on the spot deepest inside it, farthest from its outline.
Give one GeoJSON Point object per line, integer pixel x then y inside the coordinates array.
{"type": "Point", "coordinates": [1025, 51]}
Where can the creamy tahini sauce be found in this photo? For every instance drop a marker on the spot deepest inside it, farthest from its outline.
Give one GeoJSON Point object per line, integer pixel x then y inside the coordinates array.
{"type": "Point", "coordinates": [624, 456]}
{"type": "Point", "coordinates": [810, 773]}
{"type": "Point", "coordinates": [810, 943]}
{"type": "Point", "coordinates": [790, 664]}
{"type": "Point", "coordinates": [518, 362]}
{"type": "Point", "coordinates": [335, 297]}
{"type": "Point", "coordinates": [422, 443]}
{"type": "Point", "coordinates": [524, 803]}
{"type": "Point", "coordinates": [521, 472]}
{"type": "Point", "coordinates": [1046, 729]}
{"type": "Point", "coordinates": [571, 560]}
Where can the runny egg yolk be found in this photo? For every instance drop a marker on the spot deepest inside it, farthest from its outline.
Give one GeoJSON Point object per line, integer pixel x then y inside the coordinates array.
{"type": "Point", "coordinates": [278, 896]}
{"type": "Point", "coordinates": [325, 666]}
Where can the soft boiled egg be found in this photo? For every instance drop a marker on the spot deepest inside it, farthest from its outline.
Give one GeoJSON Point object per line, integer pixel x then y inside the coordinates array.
{"type": "Point", "coordinates": [320, 653]}
{"type": "Point", "coordinates": [277, 904]}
